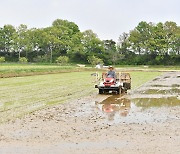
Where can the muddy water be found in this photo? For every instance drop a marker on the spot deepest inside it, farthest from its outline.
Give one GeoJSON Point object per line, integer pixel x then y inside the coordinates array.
{"type": "Point", "coordinates": [150, 103]}
{"type": "Point", "coordinates": [137, 110]}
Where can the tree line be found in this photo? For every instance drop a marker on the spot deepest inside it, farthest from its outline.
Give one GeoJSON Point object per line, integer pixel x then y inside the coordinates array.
{"type": "Point", "coordinates": [147, 43]}
{"type": "Point", "coordinates": [152, 44]}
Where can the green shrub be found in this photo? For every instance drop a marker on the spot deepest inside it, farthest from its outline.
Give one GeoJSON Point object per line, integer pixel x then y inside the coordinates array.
{"type": "Point", "coordinates": [23, 60]}
{"type": "Point", "coordinates": [2, 59]}
{"type": "Point", "coordinates": [41, 59]}
{"type": "Point", "coordinates": [62, 60]}
{"type": "Point", "coordinates": [94, 60]}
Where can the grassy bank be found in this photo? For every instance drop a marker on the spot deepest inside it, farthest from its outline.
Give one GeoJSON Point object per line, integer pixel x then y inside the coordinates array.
{"type": "Point", "coordinates": [21, 95]}
{"type": "Point", "coordinates": [16, 70]}
{"type": "Point", "coordinates": [152, 68]}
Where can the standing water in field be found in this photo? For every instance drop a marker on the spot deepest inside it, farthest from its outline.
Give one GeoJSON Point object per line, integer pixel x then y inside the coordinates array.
{"type": "Point", "coordinates": [151, 103]}
{"type": "Point", "coordinates": [136, 110]}
{"type": "Point", "coordinates": [139, 107]}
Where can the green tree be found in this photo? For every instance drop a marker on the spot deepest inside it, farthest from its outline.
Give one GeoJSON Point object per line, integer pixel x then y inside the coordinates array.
{"type": "Point", "coordinates": [123, 44]}
{"type": "Point", "coordinates": [92, 44]}
{"type": "Point", "coordinates": [21, 40]}
{"type": "Point", "coordinates": [2, 59]}
{"type": "Point", "coordinates": [62, 60]}
{"type": "Point", "coordinates": [76, 52]}
{"type": "Point", "coordinates": [23, 60]}
{"type": "Point", "coordinates": [111, 55]}
{"type": "Point", "coordinates": [70, 36]}
{"type": "Point", "coordinates": [50, 42]}
{"type": "Point", "coordinates": [94, 60]}
{"type": "Point", "coordinates": [6, 39]}
{"type": "Point", "coordinates": [68, 27]}
{"type": "Point", "coordinates": [173, 37]}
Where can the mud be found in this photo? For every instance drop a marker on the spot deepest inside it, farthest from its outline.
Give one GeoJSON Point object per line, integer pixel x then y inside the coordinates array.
{"type": "Point", "coordinates": [146, 120]}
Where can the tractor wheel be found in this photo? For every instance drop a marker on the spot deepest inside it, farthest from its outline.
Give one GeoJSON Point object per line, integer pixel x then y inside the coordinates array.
{"type": "Point", "coordinates": [119, 91]}
{"type": "Point", "coordinates": [101, 91]}
{"type": "Point", "coordinates": [124, 91]}
{"type": "Point", "coordinates": [106, 91]}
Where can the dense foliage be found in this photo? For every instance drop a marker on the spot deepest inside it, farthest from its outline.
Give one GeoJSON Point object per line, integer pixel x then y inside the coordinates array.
{"type": "Point", "coordinates": [147, 44]}
{"type": "Point", "coordinates": [62, 60]}
{"type": "Point", "coordinates": [2, 59]}
{"type": "Point", "coordinates": [151, 44]}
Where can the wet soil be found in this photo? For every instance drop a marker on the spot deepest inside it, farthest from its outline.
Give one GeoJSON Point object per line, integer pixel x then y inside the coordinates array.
{"type": "Point", "coordinates": [146, 120]}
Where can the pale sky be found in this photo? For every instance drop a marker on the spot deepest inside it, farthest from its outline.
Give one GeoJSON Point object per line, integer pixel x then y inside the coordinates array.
{"type": "Point", "coordinates": [107, 18]}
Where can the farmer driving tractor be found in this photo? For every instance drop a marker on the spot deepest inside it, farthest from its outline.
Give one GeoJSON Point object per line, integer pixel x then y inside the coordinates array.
{"type": "Point", "coordinates": [114, 82]}
{"type": "Point", "coordinates": [111, 73]}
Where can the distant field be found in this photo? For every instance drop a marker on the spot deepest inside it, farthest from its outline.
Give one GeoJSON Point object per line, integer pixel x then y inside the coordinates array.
{"type": "Point", "coordinates": [15, 70]}
{"type": "Point", "coordinates": [31, 68]}
{"type": "Point", "coordinates": [149, 68]}
{"type": "Point", "coordinates": [22, 95]}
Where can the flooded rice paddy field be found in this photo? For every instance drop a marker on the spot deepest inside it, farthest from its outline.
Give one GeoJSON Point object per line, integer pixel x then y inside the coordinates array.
{"type": "Point", "coordinates": [146, 120]}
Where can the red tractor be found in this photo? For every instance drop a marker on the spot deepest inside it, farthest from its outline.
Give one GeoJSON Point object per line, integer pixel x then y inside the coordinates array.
{"type": "Point", "coordinates": [121, 83]}
{"type": "Point", "coordinates": [109, 81]}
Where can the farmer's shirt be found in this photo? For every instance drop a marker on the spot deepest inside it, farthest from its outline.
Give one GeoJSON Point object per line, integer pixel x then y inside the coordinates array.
{"type": "Point", "coordinates": [111, 74]}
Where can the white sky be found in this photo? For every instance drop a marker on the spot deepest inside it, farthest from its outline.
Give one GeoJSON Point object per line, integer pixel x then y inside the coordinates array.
{"type": "Point", "coordinates": [107, 18]}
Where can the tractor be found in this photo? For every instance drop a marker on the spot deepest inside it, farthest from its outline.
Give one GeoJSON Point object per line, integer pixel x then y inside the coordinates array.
{"type": "Point", "coordinates": [120, 84]}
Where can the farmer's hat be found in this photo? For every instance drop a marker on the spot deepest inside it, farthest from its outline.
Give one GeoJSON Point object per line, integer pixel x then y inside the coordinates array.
{"type": "Point", "coordinates": [111, 67]}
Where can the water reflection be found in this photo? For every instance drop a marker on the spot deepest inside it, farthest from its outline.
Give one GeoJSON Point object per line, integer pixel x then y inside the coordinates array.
{"type": "Point", "coordinates": [153, 102]}
{"type": "Point", "coordinates": [124, 109]}
{"type": "Point", "coordinates": [115, 105]}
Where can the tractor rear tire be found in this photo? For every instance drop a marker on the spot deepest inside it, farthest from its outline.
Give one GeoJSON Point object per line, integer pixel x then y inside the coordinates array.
{"type": "Point", "coordinates": [127, 85]}
{"type": "Point", "coordinates": [101, 91]}
{"type": "Point", "coordinates": [119, 91]}
{"type": "Point", "coordinates": [124, 91]}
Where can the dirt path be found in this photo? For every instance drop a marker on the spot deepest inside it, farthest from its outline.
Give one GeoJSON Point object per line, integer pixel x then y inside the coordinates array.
{"type": "Point", "coordinates": [146, 120]}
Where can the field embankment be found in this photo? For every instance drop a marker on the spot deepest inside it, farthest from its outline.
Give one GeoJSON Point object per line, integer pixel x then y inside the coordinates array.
{"type": "Point", "coordinates": [18, 70]}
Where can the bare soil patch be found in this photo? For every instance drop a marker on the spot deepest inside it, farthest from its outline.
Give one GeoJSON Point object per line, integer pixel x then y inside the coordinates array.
{"type": "Point", "coordinates": [143, 121]}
